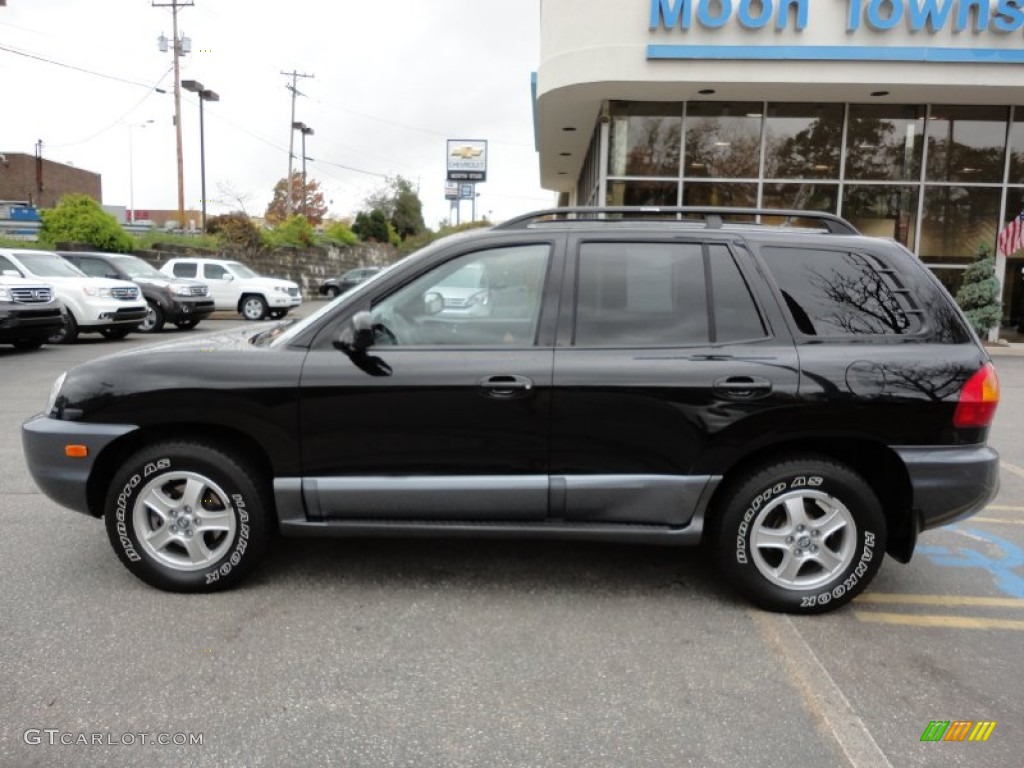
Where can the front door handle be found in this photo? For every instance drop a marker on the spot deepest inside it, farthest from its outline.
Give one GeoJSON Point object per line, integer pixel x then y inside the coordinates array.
{"type": "Point", "coordinates": [743, 387]}
{"type": "Point", "coordinates": [506, 386]}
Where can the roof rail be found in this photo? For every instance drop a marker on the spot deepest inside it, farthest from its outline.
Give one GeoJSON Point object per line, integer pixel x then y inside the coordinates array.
{"type": "Point", "coordinates": [713, 217]}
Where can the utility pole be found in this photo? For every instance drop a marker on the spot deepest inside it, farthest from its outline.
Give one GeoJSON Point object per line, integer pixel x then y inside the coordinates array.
{"type": "Point", "coordinates": [291, 138]}
{"type": "Point", "coordinates": [174, 5]}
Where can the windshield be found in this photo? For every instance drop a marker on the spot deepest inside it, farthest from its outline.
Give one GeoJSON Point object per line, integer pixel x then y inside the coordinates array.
{"type": "Point", "coordinates": [133, 266]}
{"type": "Point", "coordinates": [48, 265]}
{"type": "Point", "coordinates": [240, 270]}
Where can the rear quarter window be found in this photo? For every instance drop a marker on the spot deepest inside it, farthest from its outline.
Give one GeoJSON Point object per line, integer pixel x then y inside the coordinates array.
{"type": "Point", "coordinates": [831, 293]}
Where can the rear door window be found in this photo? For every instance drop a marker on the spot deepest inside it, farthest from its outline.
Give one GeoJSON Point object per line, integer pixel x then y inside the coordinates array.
{"type": "Point", "coordinates": [184, 269]}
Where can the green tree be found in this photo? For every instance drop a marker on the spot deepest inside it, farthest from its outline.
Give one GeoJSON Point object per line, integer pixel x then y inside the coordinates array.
{"type": "Point", "coordinates": [978, 297]}
{"type": "Point", "coordinates": [308, 201]}
{"type": "Point", "coordinates": [80, 219]}
{"type": "Point", "coordinates": [372, 226]}
{"type": "Point", "coordinates": [401, 205]}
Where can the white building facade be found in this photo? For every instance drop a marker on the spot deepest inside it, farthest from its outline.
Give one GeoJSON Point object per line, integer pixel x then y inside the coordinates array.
{"type": "Point", "coordinates": [905, 117]}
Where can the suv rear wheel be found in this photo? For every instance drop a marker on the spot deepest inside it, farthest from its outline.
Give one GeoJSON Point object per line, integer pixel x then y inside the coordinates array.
{"type": "Point", "coordinates": [187, 517]}
{"type": "Point", "coordinates": [804, 535]}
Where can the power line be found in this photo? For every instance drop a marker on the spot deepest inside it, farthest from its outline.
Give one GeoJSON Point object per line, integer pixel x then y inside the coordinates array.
{"type": "Point", "coordinates": [45, 60]}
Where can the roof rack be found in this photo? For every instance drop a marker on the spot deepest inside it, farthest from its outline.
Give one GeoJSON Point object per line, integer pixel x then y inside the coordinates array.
{"type": "Point", "coordinates": [712, 217]}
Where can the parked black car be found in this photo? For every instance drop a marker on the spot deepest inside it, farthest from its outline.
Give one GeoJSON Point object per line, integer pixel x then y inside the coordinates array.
{"type": "Point", "coordinates": [335, 286]}
{"type": "Point", "coordinates": [29, 311]}
{"type": "Point", "coordinates": [802, 399]}
{"type": "Point", "coordinates": [180, 301]}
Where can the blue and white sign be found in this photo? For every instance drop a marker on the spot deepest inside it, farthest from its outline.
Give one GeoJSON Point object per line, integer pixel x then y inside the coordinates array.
{"type": "Point", "coordinates": [980, 31]}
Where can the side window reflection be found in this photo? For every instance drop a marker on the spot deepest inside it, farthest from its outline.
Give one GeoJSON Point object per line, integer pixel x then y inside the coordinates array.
{"type": "Point", "coordinates": [485, 298]}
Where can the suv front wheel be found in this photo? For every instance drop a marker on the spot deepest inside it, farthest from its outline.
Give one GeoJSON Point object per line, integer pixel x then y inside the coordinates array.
{"type": "Point", "coordinates": [187, 516]}
{"type": "Point", "coordinates": [804, 535]}
{"type": "Point", "coordinates": [254, 307]}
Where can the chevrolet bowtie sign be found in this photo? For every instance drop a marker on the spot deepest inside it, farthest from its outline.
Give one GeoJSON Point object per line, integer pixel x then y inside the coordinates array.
{"type": "Point", "coordinates": [467, 160]}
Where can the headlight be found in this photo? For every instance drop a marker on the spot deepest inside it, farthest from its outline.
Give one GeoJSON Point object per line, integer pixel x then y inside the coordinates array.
{"type": "Point", "coordinates": [103, 293]}
{"type": "Point", "coordinates": [181, 290]}
{"type": "Point", "coordinates": [280, 289]}
{"type": "Point", "coordinates": [5, 295]}
{"type": "Point", "coordinates": [54, 393]}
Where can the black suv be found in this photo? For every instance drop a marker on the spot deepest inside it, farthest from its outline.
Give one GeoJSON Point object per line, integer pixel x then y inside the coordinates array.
{"type": "Point", "coordinates": [335, 286]}
{"type": "Point", "coordinates": [175, 300]}
{"type": "Point", "coordinates": [800, 398]}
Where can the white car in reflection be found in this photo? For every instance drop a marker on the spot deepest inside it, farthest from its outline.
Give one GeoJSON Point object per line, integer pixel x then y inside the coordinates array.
{"type": "Point", "coordinates": [465, 292]}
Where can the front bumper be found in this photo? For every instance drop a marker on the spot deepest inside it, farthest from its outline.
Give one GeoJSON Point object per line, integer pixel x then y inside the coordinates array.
{"type": "Point", "coordinates": [186, 309]}
{"type": "Point", "coordinates": [64, 479]}
{"type": "Point", "coordinates": [283, 301]}
{"type": "Point", "coordinates": [30, 323]}
{"type": "Point", "coordinates": [950, 483]}
{"type": "Point", "coordinates": [113, 312]}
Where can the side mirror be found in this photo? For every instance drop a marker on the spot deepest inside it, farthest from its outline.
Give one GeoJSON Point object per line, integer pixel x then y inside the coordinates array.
{"type": "Point", "coordinates": [433, 303]}
{"type": "Point", "coordinates": [356, 337]}
{"type": "Point", "coordinates": [11, 273]}
{"type": "Point", "coordinates": [228, 276]}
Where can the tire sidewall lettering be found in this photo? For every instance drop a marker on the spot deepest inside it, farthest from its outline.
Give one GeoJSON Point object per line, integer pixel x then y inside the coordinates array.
{"type": "Point", "coordinates": [779, 488]}
{"type": "Point", "coordinates": [127, 538]}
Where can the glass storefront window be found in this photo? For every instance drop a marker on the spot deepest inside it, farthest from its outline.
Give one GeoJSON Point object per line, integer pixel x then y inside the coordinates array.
{"type": "Point", "coordinates": [723, 140]}
{"type": "Point", "coordinates": [809, 196]}
{"type": "Point", "coordinates": [663, 193]}
{"type": "Point", "coordinates": [951, 277]}
{"type": "Point", "coordinates": [884, 142]}
{"type": "Point", "coordinates": [958, 221]}
{"type": "Point", "coordinates": [803, 141]}
{"type": "Point", "coordinates": [882, 210]}
{"type": "Point", "coordinates": [720, 194]}
{"type": "Point", "coordinates": [1017, 147]}
{"type": "Point", "coordinates": [967, 144]}
{"type": "Point", "coordinates": [645, 139]}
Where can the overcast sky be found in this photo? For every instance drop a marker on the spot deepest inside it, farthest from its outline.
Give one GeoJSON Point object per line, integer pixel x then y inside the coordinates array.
{"type": "Point", "coordinates": [393, 80]}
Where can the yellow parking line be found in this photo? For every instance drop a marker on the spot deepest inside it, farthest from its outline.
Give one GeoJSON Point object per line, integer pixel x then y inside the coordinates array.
{"type": "Point", "coordinates": [1004, 508]}
{"type": "Point", "coordinates": [951, 622]}
{"type": "Point", "coordinates": [947, 600]}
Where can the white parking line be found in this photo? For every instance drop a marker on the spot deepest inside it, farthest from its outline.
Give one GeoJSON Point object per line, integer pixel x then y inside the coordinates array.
{"type": "Point", "coordinates": [823, 698]}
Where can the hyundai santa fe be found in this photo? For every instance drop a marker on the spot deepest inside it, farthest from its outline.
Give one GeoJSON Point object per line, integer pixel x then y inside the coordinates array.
{"type": "Point", "coordinates": [797, 397]}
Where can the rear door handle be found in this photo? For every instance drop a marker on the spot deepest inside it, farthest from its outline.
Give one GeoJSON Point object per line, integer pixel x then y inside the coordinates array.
{"type": "Point", "coordinates": [506, 386]}
{"type": "Point", "coordinates": [743, 387]}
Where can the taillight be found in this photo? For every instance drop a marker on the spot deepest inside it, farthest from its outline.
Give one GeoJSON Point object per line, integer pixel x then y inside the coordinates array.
{"type": "Point", "coordinates": [978, 399]}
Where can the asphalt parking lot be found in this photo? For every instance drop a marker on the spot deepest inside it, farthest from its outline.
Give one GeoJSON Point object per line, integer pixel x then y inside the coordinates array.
{"type": "Point", "coordinates": [478, 653]}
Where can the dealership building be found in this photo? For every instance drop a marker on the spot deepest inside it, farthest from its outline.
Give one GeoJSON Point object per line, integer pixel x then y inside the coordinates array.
{"type": "Point", "coordinates": [905, 117]}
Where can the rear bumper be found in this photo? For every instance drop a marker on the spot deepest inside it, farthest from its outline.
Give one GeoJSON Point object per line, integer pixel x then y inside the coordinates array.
{"type": "Point", "coordinates": [951, 483]}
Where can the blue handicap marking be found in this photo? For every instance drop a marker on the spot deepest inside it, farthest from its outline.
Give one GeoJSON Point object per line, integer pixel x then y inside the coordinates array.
{"type": "Point", "coordinates": [1001, 568]}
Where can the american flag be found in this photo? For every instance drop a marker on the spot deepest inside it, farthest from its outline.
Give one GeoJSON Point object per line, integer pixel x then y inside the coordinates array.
{"type": "Point", "coordinates": [1011, 238]}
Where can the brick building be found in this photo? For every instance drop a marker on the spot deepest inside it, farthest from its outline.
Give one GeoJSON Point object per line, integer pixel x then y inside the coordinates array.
{"type": "Point", "coordinates": [41, 182]}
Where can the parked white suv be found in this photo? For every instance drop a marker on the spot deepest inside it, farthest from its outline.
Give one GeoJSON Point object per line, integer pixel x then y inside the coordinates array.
{"type": "Point", "coordinates": [237, 288]}
{"type": "Point", "coordinates": [113, 308]}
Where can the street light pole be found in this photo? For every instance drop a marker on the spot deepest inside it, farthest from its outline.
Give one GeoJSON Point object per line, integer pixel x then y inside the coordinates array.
{"type": "Point", "coordinates": [305, 130]}
{"type": "Point", "coordinates": [204, 95]}
{"type": "Point", "coordinates": [131, 171]}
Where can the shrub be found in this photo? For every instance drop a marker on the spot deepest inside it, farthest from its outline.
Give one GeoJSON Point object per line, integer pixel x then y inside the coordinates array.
{"type": "Point", "coordinates": [978, 297]}
{"type": "Point", "coordinates": [80, 219]}
{"type": "Point", "coordinates": [293, 231]}
{"type": "Point", "coordinates": [235, 229]}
